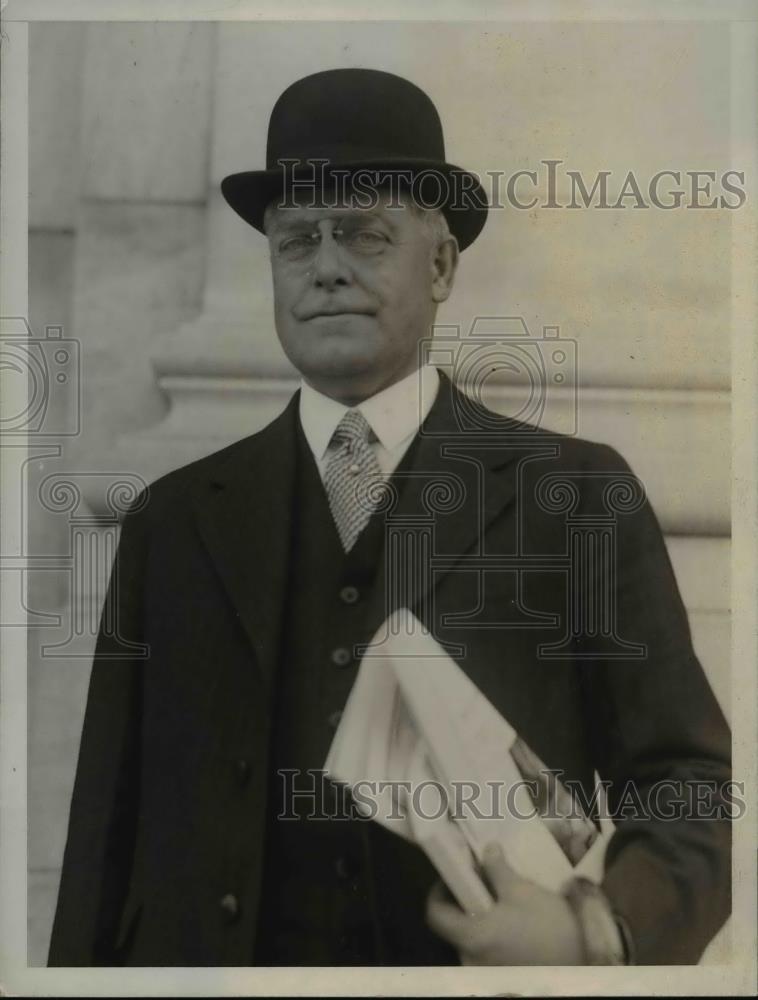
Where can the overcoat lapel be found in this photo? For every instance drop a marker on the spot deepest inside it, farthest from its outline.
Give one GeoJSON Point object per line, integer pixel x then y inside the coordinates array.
{"type": "Point", "coordinates": [244, 513]}
{"type": "Point", "coordinates": [463, 476]}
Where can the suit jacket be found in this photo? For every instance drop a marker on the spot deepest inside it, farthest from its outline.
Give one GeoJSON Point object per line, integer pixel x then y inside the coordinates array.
{"type": "Point", "coordinates": [164, 855]}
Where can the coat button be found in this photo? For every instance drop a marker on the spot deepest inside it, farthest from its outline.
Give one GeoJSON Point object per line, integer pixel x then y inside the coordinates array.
{"type": "Point", "coordinates": [230, 907]}
{"type": "Point", "coordinates": [341, 656]}
{"type": "Point", "coordinates": [242, 771]}
{"type": "Point", "coordinates": [349, 595]}
{"type": "Point", "coordinates": [343, 868]}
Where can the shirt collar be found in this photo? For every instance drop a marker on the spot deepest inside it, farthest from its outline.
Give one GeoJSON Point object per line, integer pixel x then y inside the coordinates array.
{"type": "Point", "coordinates": [394, 414]}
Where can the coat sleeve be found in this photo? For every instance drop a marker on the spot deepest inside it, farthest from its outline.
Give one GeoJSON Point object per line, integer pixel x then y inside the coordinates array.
{"type": "Point", "coordinates": [660, 740]}
{"type": "Point", "coordinates": [105, 803]}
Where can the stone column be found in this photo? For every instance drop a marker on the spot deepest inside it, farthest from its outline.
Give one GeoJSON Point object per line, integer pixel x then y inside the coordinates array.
{"type": "Point", "coordinates": [140, 255]}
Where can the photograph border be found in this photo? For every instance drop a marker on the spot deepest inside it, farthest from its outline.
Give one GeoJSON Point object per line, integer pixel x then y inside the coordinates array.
{"type": "Point", "coordinates": [738, 977]}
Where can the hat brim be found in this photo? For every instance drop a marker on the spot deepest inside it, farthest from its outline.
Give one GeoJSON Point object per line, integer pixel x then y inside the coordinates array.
{"type": "Point", "coordinates": [462, 198]}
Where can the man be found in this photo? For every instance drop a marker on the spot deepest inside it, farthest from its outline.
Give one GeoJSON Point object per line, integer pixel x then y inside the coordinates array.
{"type": "Point", "coordinates": [253, 576]}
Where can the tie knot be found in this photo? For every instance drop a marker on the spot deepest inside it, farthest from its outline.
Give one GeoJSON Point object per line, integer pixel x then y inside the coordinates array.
{"type": "Point", "coordinates": [353, 427]}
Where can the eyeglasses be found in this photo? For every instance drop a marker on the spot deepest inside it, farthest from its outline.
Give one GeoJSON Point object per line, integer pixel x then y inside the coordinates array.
{"type": "Point", "coordinates": [359, 241]}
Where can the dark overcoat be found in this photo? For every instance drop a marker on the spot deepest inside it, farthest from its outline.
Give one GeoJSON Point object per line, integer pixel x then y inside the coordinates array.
{"type": "Point", "coordinates": [583, 645]}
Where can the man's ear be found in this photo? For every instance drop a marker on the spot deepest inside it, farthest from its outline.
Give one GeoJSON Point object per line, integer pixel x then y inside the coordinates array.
{"type": "Point", "coordinates": [444, 266]}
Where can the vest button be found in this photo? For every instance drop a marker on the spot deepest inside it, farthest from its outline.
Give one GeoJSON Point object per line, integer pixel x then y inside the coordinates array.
{"type": "Point", "coordinates": [242, 771]}
{"type": "Point", "coordinates": [334, 718]}
{"type": "Point", "coordinates": [349, 595]}
{"type": "Point", "coordinates": [230, 907]}
{"type": "Point", "coordinates": [341, 656]}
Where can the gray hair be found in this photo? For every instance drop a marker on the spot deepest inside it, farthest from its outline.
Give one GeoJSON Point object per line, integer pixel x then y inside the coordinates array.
{"type": "Point", "coordinates": [434, 221]}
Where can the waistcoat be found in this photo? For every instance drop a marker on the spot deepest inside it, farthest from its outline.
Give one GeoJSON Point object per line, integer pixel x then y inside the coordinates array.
{"type": "Point", "coordinates": [337, 890]}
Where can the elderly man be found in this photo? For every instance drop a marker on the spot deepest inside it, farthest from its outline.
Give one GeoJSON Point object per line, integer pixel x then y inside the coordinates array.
{"type": "Point", "coordinates": [251, 578]}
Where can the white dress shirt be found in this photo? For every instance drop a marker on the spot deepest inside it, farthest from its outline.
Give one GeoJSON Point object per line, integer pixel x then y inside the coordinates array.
{"type": "Point", "coordinates": [394, 415]}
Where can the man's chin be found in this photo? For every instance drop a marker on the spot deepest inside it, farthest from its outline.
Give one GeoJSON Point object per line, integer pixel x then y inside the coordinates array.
{"type": "Point", "coordinates": [347, 377]}
{"type": "Point", "coordinates": [341, 351]}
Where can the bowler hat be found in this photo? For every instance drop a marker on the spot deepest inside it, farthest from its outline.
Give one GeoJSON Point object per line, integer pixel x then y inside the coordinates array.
{"type": "Point", "coordinates": [359, 119]}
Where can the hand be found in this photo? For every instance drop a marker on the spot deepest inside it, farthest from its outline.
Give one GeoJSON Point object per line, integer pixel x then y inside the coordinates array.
{"type": "Point", "coordinates": [527, 925]}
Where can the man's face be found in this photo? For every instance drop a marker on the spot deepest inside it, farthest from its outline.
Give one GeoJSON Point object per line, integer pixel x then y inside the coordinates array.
{"type": "Point", "coordinates": [355, 290]}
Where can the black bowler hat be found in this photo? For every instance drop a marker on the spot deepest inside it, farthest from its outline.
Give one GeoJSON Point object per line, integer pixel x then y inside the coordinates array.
{"type": "Point", "coordinates": [360, 119]}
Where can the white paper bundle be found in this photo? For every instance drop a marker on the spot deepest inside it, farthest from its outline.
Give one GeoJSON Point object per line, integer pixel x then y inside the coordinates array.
{"type": "Point", "coordinates": [414, 716]}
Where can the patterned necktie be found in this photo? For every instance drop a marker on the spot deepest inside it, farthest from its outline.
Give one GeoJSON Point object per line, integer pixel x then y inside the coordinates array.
{"type": "Point", "coordinates": [352, 477]}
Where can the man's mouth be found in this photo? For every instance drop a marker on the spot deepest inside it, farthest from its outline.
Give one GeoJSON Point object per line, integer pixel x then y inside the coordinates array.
{"type": "Point", "coordinates": [332, 311]}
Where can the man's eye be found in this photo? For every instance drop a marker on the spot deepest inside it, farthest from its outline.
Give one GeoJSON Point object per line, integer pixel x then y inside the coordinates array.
{"type": "Point", "coordinates": [295, 246]}
{"type": "Point", "coordinates": [367, 241]}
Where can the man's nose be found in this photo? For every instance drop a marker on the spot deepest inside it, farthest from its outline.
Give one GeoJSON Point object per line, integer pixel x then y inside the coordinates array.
{"type": "Point", "coordinates": [329, 267]}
